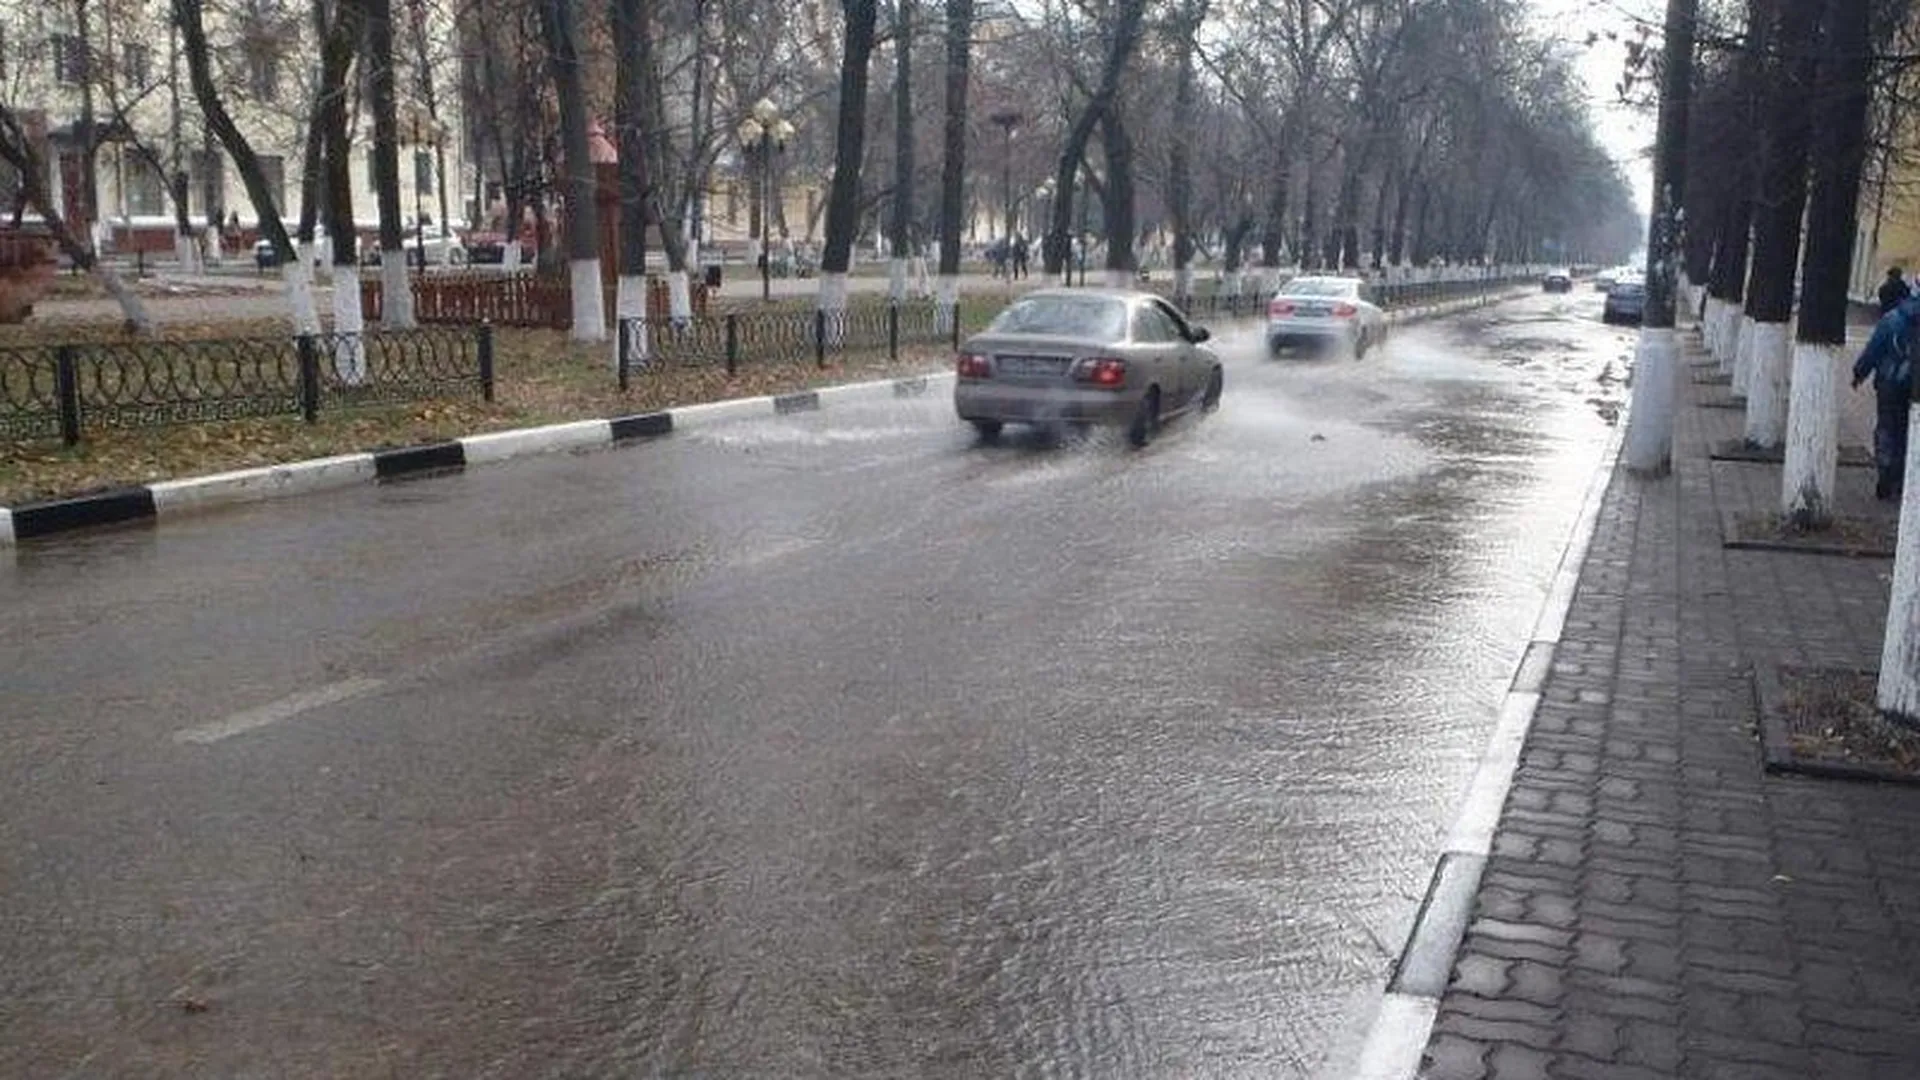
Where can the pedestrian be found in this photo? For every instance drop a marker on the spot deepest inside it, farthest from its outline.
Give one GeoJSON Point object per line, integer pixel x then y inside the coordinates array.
{"type": "Point", "coordinates": [1888, 357]}
{"type": "Point", "coordinates": [1893, 290]}
{"type": "Point", "coordinates": [1019, 257]}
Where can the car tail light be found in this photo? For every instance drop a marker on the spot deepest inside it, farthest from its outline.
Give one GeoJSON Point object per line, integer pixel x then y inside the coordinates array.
{"type": "Point", "coordinates": [1102, 371]}
{"type": "Point", "coordinates": [1345, 311]}
{"type": "Point", "coordinates": [973, 366]}
{"type": "Point", "coordinates": [1279, 309]}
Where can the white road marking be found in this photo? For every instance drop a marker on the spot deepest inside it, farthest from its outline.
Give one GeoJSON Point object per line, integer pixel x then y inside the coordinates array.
{"type": "Point", "coordinates": [275, 711]}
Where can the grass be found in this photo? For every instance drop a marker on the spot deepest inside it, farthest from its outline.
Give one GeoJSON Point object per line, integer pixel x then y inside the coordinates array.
{"type": "Point", "coordinates": [540, 378]}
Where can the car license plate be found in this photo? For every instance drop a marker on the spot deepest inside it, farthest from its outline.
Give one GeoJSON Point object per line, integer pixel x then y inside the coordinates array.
{"type": "Point", "coordinates": [1311, 311]}
{"type": "Point", "coordinates": [1031, 365]}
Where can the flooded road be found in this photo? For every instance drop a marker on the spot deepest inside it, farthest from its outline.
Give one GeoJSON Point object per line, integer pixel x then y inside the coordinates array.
{"type": "Point", "coordinates": [829, 745]}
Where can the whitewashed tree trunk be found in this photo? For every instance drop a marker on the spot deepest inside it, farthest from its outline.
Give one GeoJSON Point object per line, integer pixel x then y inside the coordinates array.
{"type": "Point", "coordinates": [1183, 282]}
{"type": "Point", "coordinates": [1900, 652]}
{"type": "Point", "coordinates": [947, 301]}
{"type": "Point", "coordinates": [1813, 429]}
{"type": "Point", "coordinates": [1742, 354]}
{"type": "Point", "coordinates": [630, 309]}
{"type": "Point", "coordinates": [679, 297]}
{"type": "Point", "coordinates": [132, 310]}
{"type": "Point", "coordinates": [349, 323]}
{"type": "Point", "coordinates": [1656, 373]}
{"type": "Point", "coordinates": [897, 279]}
{"type": "Point", "coordinates": [396, 292]}
{"type": "Point", "coordinates": [186, 251]}
{"type": "Point", "coordinates": [1766, 422]}
{"type": "Point", "coordinates": [833, 301]}
{"type": "Point", "coordinates": [1118, 278]}
{"type": "Point", "coordinates": [1230, 285]}
{"type": "Point", "coordinates": [299, 285]}
{"type": "Point", "coordinates": [510, 255]}
{"type": "Point", "coordinates": [304, 248]}
{"type": "Point", "coordinates": [589, 307]}
{"type": "Point", "coordinates": [1710, 327]}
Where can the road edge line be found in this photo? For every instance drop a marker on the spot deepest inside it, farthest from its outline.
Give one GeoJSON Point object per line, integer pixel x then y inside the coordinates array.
{"type": "Point", "coordinates": [1396, 1039]}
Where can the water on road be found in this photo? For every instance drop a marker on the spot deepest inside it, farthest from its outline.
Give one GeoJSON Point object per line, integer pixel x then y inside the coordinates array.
{"type": "Point", "coordinates": [821, 745]}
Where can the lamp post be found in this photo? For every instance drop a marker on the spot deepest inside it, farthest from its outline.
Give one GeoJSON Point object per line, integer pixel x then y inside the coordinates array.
{"type": "Point", "coordinates": [1006, 120]}
{"type": "Point", "coordinates": [1043, 195]}
{"type": "Point", "coordinates": [766, 129]}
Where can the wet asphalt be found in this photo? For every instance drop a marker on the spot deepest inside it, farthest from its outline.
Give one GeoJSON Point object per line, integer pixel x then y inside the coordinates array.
{"type": "Point", "coordinates": [827, 745]}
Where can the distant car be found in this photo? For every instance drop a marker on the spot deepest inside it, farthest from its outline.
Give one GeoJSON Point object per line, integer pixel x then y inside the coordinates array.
{"type": "Point", "coordinates": [1557, 281]}
{"type": "Point", "coordinates": [1604, 280]}
{"type": "Point", "coordinates": [491, 247]}
{"type": "Point", "coordinates": [1626, 301]}
{"type": "Point", "coordinates": [1335, 311]}
{"type": "Point", "coordinates": [443, 248]}
{"type": "Point", "coordinates": [266, 258]}
{"type": "Point", "coordinates": [1085, 356]}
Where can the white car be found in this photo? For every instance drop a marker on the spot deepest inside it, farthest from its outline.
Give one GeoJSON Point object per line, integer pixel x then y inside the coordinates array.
{"type": "Point", "coordinates": [1337, 311]}
{"type": "Point", "coordinates": [265, 259]}
{"type": "Point", "coordinates": [443, 248]}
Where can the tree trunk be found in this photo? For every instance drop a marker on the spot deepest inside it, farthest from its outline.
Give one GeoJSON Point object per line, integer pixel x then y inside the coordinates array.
{"type": "Point", "coordinates": [1180, 152]}
{"type": "Point", "coordinates": [396, 291]}
{"type": "Point", "coordinates": [1117, 201]}
{"type": "Point", "coordinates": [658, 143]}
{"type": "Point", "coordinates": [901, 230]}
{"type": "Point", "coordinates": [1656, 369]}
{"type": "Point", "coordinates": [953, 165]}
{"type": "Point", "coordinates": [843, 200]}
{"type": "Point", "coordinates": [1842, 95]}
{"type": "Point", "coordinates": [336, 189]}
{"type": "Point", "coordinates": [1780, 201]}
{"type": "Point", "coordinates": [186, 249]}
{"type": "Point", "coordinates": [632, 22]}
{"type": "Point", "coordinates": [583, 217]}
{"type": "Point", "coordinates": [299, 281]}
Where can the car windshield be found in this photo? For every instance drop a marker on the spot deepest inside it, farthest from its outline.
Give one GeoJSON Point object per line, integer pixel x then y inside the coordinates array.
{"type": "Point", "coordinates": [1321, 287]}
{"type": "Point", "coordinates": [1100, 318]}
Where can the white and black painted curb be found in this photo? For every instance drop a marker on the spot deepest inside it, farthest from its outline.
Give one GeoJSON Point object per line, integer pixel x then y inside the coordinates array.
{"type": "Point", "coordinates": [1397, 1039]}
{"type": "Point", "coordinates": [170, 498]}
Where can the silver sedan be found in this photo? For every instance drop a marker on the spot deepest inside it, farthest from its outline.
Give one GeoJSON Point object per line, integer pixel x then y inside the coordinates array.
{"type": "Point", "coordinates": [1325, 310]}
{"type": "Point", "coordinates": [1078, 356]}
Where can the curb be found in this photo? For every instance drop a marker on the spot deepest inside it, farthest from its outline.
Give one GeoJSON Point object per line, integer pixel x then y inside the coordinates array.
{"type": "Point", "coordinates": [172, 498]}
{"type": "Point", "coordinates": [1396, 1041]}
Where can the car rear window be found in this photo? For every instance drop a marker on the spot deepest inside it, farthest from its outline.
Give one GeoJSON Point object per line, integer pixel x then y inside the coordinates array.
{"type": "Point", "coordinates": [1321, 287]}
{"type": "Point", "coordinates": [1098, 318]}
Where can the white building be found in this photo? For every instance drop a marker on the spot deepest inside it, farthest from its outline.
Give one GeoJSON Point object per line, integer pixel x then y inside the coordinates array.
{"type": "Point", "coordinates": [265, 57]}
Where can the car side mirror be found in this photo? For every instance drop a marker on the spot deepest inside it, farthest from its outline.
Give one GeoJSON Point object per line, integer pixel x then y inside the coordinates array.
{"type": "Point", "coordinates": [1200, 334]}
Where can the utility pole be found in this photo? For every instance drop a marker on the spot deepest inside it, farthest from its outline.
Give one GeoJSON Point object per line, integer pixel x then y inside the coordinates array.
{"type": "Point", "coordinates": [1656, 366]}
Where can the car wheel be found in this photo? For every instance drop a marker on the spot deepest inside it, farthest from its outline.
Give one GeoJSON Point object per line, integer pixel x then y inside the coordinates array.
{"type": "Point", "coordinates": [1210, 399]}
{"type": "Point", "coordinates": [987, 428]}
{"type": "Point", "coordinates": [1146, 419]}
{"type": "Point", "coordinates": [1361, 344]}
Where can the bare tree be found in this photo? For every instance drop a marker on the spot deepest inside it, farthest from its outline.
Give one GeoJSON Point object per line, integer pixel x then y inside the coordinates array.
{"type": "Point", "coordinates": [583, 219]}
{"type": "Point", "coordinates": [396, 294]}
{"type": "Point", "coordinates": [953, 165]}
{"type": "Point", "coordinates": [900, 231]}
{"type": "Point", "coordinates": [849, 144]}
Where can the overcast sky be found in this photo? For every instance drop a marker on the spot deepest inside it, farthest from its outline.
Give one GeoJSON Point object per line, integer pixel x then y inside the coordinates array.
{"type": "Point", "coordinates": [1626, 134]}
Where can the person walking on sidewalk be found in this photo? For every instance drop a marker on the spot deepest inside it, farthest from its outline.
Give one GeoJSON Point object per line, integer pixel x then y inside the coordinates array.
{"type": "Point", "coordinates": [1888, 357]}
{"type": "Point", "coordinates": [1893, 290]}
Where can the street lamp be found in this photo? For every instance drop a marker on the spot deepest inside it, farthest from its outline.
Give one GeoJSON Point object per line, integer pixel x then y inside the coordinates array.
{"type": "Point", "coordinates": [1006, 120]}
{"type": "Point", "coordinates": [766, 129]}
{"type": "Point", "coordinates": [1043, 196]}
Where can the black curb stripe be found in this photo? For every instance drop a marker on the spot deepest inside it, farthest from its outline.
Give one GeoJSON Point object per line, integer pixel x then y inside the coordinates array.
{"type": "Point", "coordinates": [804, 401]}
{"type": "Point", "coordinates": [413, 459]}
{"type": "Point", "coordinates": [1426, 964]}
{"type": "Point", "coordinates": [910, 387]}
{"type": "Point", "coordinates": [61, 515]}
{"type": "Point", "coordinates": [641, 425]}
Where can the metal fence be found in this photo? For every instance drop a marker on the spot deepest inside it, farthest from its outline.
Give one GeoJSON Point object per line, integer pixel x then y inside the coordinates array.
{"type": "Point", "coordinates": [1389, 295]}
{"type": "Point", "coordinates": [63, 390]}
{"type": "Point", "coordinates": [783, 336]}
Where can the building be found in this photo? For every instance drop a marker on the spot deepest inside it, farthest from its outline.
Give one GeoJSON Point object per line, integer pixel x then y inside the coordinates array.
{"type": "Point", "coordinates": [120, 61]}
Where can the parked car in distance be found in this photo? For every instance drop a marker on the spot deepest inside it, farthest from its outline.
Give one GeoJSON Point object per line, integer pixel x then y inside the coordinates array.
{"type": "Point", "coordinates": [443, 247]}
{"type": "Point", "coordinates": [1604, 280]}
{"type": "Point", "coordinates": [1626, 301]}
{"type": "Point", "coordinates": [489, 247]}
{"type": "Point", "coordinates": [1086, 356]}
{"type": "Point", "coordinates": [265, 258]}
{"type": "Point", "coordinates": [1557, 281]}
{"type": "Point", "coordinates": [1321, 311]}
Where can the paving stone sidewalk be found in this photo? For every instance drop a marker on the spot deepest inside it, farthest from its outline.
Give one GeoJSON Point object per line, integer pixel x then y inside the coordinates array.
{"type": "Point", "coordinates": [1655, 904]}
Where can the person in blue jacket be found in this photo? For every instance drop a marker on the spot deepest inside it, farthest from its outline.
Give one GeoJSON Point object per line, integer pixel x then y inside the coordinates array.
{"type": "Point", "coordinates": [1888, 357]}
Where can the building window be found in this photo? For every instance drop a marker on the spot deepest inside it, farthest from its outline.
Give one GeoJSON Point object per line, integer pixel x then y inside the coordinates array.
{"type": "Point", "coordinates": [69, 59]}
{"type": "Point", "coordinates": [146, 194]}
{"type": "Point", "coordinates": [422, 173]}
{"type": "Point", "coordinates": [136, 64]}
{"type": "Point", "coordinates": [263, 70]}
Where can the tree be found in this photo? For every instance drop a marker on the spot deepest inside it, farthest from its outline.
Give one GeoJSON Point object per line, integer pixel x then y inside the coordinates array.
{"type": "Point", "coordinates": [1123, 38]}
{"type": "Point", "coordinates": [632, 22]}
{"type": "Point", "coordinates": [396, 294]}
{"type": "Point", "coordinates": [1842, 94]}
{"type": "Point", "coordinates": [1183, 30]}
{"type": "Point", "coordinates": [900, 233]}
{"type": "Point", "coordinates": [336, 187]}
{"type": "Point", "coordinates": [583, 219]}
{"type": "Point", "coordinates": [297, 275]}
{"type": "Point", "coordinates": [953, 166]}
{"type": "Point", "coordinates": [849, 143]}
{"type": "Point", "coordinates": [1649, 442]}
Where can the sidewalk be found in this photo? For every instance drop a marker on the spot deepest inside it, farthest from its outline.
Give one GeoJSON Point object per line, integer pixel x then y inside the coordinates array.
{"type": "Point", "coordinates": [1655, 904]}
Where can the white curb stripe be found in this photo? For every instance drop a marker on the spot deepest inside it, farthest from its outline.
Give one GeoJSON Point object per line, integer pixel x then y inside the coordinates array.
{"type": "Point", "coordinates": [501, 445]}
{"type": "Point", "coordinates": [1398, 1038]}
{"type": "Point", "coordinates": [717, 412]}
{"type": "Point", "coordinates": [267, 482]}
{"type": "Point", "coordinates": [275, 711]}
{"type": "Point", "coordinates": [6, 527]}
